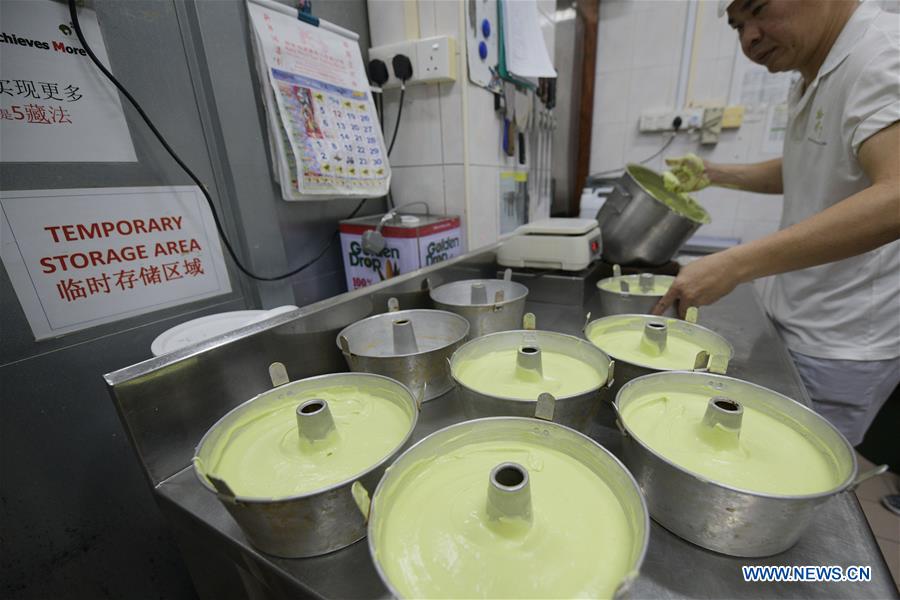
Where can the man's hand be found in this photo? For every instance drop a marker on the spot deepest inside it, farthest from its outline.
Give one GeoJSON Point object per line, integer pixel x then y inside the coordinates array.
{"type": "Point", "coordinates": [685, 174]}
{"type": "Point", "coordinates": [701, 282]}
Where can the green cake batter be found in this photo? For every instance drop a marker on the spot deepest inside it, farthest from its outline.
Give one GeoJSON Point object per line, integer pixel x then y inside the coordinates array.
{"type": "Point", "coordinates": [626, 344]}
{"type": "Point", "coordinates": [498, 374]}
{"type": "Point", "coordinates": [768, 456]}
{"type": "Point", "coordinates": [681, 203]}
{"type": "Point", "coordinates": [438, 541]}
{"type": "Point", "coordinates": [263, 455]}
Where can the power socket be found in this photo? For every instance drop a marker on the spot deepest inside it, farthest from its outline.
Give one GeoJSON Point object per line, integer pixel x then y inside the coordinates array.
{"type": "Point", "coordinates": [434, 59]}
{"type": "Point", "coordinates": [712, 124]}
{"type": "Point", "coordinates": [653, 121]}
{"type": "Point", "coordinates": [387, 52]}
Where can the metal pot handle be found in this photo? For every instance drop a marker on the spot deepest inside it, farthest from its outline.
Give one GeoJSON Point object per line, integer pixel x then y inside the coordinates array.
{"type": "Point", "coordinates": [545, 407]}
{"type": "Point", "coordinates": [618, 201]}
{"type": "Point", "coordinates": [615, 408]}
{"type": "Point", "coordinates": [345, 346]}
{"type": "Point", "coordinates": [873, 472]}
{"type": "Point", "coordinates": [614, 182]}
{"type": "Point", "coordinates": [223, 490]}
{"type": "Point", "coordinates": [610, 374]}
{"type": "Point", "coordinates": [529, 322]}
{"type": "Point", "coordinates": [362, 499]}
{"type": "Point", "coordinates": [499, 297]}
{"type": "Point", "coordinates": [692, 315]}
{"type": "Point", "coordinates": [278, 374]}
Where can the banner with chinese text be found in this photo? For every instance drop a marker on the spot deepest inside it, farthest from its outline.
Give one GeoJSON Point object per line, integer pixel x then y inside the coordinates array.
{"type": "Point", "coordinates": [78, 258]}
{"type": "Point", "coordinates": [55, 105]}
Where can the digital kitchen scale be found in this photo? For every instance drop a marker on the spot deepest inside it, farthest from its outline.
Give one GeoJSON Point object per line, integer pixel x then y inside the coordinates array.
{"type": "Point", "coordinates": [564, 244]}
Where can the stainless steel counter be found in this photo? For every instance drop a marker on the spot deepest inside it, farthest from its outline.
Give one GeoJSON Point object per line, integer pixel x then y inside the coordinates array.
{"type": "Point", "coordinates": [224, 565]}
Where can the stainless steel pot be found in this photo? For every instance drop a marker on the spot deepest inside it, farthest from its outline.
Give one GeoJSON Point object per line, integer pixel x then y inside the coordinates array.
{"type": "Point", "coordinates": [632, 294]}
{"type": "Point", "coordinates": [717, 516]}
{"type": "Point", "coordinates": [642, 222]}
{"type": "Point", "coordinates": [489, 305]}
{"type": "Point", "coordinates": [573, 411]}
{"type": "Point", "coordinates": [715, 357]}
{"type": "Point", "coordinates": [511, 499]}
{"type": "Point", "coordinates": [411, 346]}
{"type": "Point", "coordinates": [320, 521]}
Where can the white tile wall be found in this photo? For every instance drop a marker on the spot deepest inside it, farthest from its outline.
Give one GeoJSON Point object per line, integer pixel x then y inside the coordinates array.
{"type": "Point", "coordinates": [615, 36]}
{"type": "Point", "coordinates": [416, 184]}
{"type": "Point", "coordinates": [733, 146]}
{"type": "Point", "coordinates": [607, 146]}
{"type": "Point", "coordinates": [709, 29]}
{"type": "Point", "coordinates": [611, 97]}
{"type": "Point", "coordinates": [419, 137]}
{"type": "Point", "coordinates": [426, 10]}
{"type": "Point", "coordinates": [455, 196]}
{"type": "Point", "coordinates": [446, 20]}
{"type": "Point", "coordinates": [386, 21]}
{"type": "Point", "coordinates": [640, 147]}
{"type": "Point", "coordinates": [658, 30]}
{"type": "Point", "coordinates": [710, 82]}
{"type": "Point", "coordinates": [450, 108]}
{"type": "Point", "coordinates": [651, 88]}
{"type": "Point", "coordinates": [484, 190]}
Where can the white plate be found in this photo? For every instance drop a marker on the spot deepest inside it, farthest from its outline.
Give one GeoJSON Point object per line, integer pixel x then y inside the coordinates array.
{"type": "Point", "coordinates": [199, 330]}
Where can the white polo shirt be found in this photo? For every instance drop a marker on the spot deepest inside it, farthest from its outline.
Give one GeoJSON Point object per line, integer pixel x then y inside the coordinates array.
{"type": "Point", "coordinates": [849, 309]}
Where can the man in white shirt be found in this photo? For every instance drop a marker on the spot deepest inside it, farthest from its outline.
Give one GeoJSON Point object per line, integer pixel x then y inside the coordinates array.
{"type": "Point", "coordinates": [835, 297]}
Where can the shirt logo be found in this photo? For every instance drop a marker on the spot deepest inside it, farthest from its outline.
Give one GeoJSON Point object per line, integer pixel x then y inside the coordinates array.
{"type": "Point", "coordinates": [818, 127]}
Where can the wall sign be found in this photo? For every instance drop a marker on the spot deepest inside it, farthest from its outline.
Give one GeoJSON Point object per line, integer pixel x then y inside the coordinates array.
{"type": "Point", "coordinates": [82, 257]}
{"type": "Point", "coordinates": [55, 105]}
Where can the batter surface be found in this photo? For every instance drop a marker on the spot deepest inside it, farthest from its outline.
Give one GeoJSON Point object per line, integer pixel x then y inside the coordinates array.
{"type": "Point", "coordinates": [438, 542]}
{"type": "Point", "coordinates": [263, 455]}
{"type": "Point", "coordinates": [497, 373]}
{"type": "Point", "coordinates": [768, 456]}
{"type": "Point", "coordinates": [681, 203]}
{"type": "Point", "coordinates": [679, 353]}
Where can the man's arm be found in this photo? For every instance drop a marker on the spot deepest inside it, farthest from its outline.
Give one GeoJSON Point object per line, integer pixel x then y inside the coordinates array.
{"type": "Point", "coordinates": [763, 178]}
{"type": "Point", "coordinates": [857, 224]}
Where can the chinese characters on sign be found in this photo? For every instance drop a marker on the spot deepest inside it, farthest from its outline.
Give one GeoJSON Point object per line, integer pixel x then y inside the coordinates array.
{"type": "Point", "coordinates": [79, 258]}
{"type": "Point", "coordinates": [48, 91]}
{"type": "Point", "coordinates": [54, 103]}
{"type": "Point", "coordinates": [46, 114]}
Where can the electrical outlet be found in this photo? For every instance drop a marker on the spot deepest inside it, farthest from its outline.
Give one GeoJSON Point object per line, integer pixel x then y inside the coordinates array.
{"type": "Point", "coordinates": [436, 59]}
{"type": "Point", "coordinates": [653, 121]}
{"type": "Point", "coordinates": [388, 52]}
{"type": "Point", "coordinates": [712, 124]}
{"type": "Point", "coordinates": [433, 59]}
